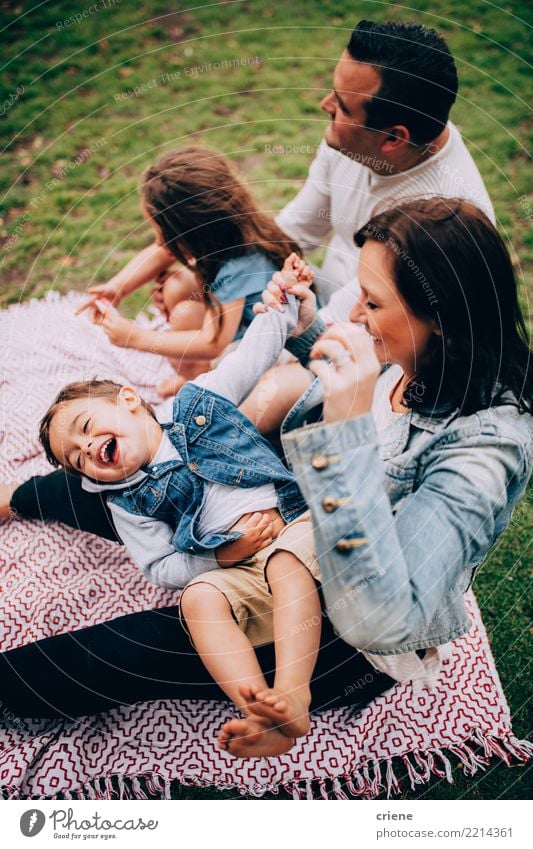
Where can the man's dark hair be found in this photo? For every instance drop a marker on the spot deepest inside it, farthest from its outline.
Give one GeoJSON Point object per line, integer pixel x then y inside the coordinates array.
{"type": "Point", "coordinates": [418, 77]}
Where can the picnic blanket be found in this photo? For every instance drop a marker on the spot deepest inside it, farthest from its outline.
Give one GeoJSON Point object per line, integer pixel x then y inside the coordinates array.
{"type": "Point", "coordinates": [55, 580]}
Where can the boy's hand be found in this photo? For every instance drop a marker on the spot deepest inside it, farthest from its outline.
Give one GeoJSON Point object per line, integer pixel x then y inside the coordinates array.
{"type": "Point", "coordinates": [120, 331]}
{"type": "Point", "coordinates": [295, 278]}
{"type": "Point", "coordinates": [256, 530]}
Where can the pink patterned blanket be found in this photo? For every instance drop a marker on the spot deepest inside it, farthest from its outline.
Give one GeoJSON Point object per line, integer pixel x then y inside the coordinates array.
{"type": "Point", "coordinates": [54, 580]}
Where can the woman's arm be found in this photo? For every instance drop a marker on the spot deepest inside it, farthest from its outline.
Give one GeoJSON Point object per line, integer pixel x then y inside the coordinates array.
{"type": "Point", "coordinates": [385, 576]}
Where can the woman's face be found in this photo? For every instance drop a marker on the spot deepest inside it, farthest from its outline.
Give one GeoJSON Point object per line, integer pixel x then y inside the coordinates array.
{"type": "Point", "coordinates": [399, 336]}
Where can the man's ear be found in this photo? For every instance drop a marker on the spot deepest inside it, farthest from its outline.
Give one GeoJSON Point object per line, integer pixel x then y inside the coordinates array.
{"type": "Point", "coordinates": [395, 139]}
{"type": "Point", "coordinates": [130, 397]}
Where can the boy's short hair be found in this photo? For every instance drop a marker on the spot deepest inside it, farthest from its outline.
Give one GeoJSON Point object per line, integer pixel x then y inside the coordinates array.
{"type": "Point", "coordinates": [72, 392]}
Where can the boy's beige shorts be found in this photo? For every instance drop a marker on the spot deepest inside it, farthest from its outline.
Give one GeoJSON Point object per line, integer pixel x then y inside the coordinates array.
{"type": "Point", "coordinates": [246, 587]}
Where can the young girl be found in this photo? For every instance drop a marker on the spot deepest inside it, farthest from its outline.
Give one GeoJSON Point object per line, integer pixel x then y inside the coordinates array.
{"type": "Point", "coordinates": [206, 218]}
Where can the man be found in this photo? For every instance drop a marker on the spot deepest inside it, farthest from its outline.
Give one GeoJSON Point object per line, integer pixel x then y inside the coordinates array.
{"type": "Point", "coordinates": [388, 139]}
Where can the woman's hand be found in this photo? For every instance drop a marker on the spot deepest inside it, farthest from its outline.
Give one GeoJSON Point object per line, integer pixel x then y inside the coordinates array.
{"type": "Point", "coordinates": [295, 279]}
{"type": "Point", "coordinates": [257, 533]}
{"type": "Point", "coordinates": [345, 361]}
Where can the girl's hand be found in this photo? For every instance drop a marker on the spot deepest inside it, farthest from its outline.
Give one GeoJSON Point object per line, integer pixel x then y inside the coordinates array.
{"type": "Point", "coordinates": [106, 291]}
{"type": "Point", "coordinates": [295, 279]}
{"type": "Point", "coordinates": [257, 533]}
{"type": "Point", "coordinates": [349, 378]}
{"type": "Point", "coordinates": [120, 331]}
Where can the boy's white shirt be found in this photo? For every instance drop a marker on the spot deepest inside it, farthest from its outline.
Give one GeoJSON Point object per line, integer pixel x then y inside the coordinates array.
{"type": "Point", "coordinates": [149, 540]}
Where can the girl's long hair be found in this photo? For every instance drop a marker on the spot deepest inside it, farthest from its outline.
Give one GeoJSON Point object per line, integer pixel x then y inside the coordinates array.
{"type": "Point", "coordinates": [451, 266]}
{"type": "Point", "coordinates": [204, 210]}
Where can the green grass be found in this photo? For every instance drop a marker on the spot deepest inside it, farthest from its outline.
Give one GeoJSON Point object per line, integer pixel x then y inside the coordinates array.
{"type": "Point", "coordinates": [96, 111]}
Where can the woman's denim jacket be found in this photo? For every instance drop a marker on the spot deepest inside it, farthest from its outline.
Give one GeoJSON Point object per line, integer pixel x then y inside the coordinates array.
{"type": "Point", "coordinates": [401, 526]}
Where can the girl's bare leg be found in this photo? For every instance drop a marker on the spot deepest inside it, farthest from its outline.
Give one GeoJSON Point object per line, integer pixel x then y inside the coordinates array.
{"type": "Point", "coordinates": [184, 302]}
{"type": "Point", "coordinates": [230, 659]}
{"type": "Point", "coordinates": [275, 394]}
{"type": "Point", "coordinates": [297, 626]}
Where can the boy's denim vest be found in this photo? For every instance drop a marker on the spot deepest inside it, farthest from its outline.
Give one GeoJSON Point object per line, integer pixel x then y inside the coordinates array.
{"type": "Point", "coordinates": [217, 444]}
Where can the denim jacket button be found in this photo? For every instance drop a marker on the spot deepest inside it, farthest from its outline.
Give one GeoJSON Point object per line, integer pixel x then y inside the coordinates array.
{"type": "Point", "coordinates": [329, 504]}
{"type": "Point", "coordinates": [200, 420]}
{"type": "Point", "coordinates": [319, 462]}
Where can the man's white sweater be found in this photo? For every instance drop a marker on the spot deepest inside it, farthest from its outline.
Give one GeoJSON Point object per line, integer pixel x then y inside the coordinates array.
{"type": "Point", "coordinates": [341, 194]}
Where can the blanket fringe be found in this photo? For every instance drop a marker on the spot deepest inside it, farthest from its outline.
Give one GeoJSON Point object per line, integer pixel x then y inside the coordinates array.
{"type": "Point", "coordinates": [367, 781]}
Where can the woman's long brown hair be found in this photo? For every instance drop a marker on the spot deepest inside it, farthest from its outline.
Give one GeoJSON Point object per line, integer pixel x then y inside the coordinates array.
{"type": "Point", "coordinates": [203, 209]}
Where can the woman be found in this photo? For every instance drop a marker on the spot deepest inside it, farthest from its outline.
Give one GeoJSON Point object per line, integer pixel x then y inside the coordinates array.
{"type": "Point", "coordinates": [410, 478]}
{"type": "Point", "coordinates": [438, 449]}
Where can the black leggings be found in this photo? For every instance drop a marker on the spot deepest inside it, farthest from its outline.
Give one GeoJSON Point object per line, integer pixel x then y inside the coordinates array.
{"type": "Point", "coordinates": [59, 497]}
{"type": "Point", "coordinates": [141, 656]}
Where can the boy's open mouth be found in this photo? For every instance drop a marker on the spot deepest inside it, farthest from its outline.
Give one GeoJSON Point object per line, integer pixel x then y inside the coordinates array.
{"type": "Point", "coordinates": [108, 451]}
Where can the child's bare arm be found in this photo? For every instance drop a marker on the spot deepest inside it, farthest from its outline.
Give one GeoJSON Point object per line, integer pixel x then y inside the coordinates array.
{"type": "Point", "coordinates": [149, 542]}
{"type": "Point", "coordinates": [257, 532]}
{"type": "Point", "coordinates": [145, 266]}
{"type": "Point", "coordinates": [203, 343]}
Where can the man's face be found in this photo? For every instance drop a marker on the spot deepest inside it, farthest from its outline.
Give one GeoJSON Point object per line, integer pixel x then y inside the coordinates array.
{"type": "Point", "coordinates": [354, 83]}
{"type": "Point", "coordinates": [102, 438]}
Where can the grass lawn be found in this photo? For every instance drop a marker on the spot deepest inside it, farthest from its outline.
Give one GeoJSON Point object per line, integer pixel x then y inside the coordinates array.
{"type": "Point", "coordinates": [86, 105]}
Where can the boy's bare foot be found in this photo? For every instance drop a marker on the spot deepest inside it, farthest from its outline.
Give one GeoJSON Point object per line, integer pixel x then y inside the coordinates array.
{"type": "Point", "coordinates": [171, 386]}
{"type": "Point", "coordinates": [6, 491]}
{"type": "Point", "coordinates": [288, 711]}
{"type": "Point", "coordinates": [253, 737]}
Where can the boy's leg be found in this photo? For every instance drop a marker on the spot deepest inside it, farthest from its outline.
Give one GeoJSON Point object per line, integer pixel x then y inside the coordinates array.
{"type": "Point", "coordinates": [230, 659]}
{"type": "Point", "coordinates": [297, 626]}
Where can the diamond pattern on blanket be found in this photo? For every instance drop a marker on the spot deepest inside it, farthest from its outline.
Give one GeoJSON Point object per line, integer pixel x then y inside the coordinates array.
{"type": "Point", "coordinates": [55, 580]}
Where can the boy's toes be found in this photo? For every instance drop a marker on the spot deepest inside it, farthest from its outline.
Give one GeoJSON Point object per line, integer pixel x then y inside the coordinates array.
{"type": "Point", "coordinates": [249, 692]}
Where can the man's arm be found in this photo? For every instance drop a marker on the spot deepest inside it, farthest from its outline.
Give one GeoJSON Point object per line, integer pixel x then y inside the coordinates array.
{"type": "Point", "coordinates": [307, 217]}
